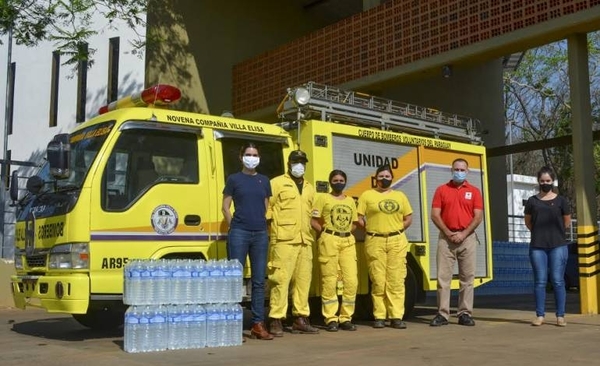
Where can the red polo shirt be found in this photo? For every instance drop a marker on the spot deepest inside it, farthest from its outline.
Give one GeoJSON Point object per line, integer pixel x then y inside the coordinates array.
{"type": "Point", "coordinates": [457, 204]}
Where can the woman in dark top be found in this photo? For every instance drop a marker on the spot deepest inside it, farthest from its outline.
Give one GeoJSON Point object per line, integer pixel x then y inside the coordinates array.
{"type": "Point", "coordinates": [249, 191]}
{"type": "Point", "coordinates": [548, 216]}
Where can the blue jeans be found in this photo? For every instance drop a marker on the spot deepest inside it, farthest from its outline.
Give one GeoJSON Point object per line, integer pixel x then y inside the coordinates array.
{"type": "Point", "coordinates": [254, 243]}
{"type": "Point", "coordinates": [554, 259]}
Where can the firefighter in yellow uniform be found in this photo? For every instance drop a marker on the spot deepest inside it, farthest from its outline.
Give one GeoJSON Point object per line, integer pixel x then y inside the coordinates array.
{"type": "Point", "coordinates": [334, 217]}
{"type": "Point", "coordinates": [290, 252]}
{"type": "Point", "coordinates": [386, 214]}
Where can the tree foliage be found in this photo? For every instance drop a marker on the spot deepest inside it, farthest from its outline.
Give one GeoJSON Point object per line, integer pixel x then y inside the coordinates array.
{"type": "Point", "coordinates": [538, 107]}
{"type": "Point", "coordinates": [68, 23]}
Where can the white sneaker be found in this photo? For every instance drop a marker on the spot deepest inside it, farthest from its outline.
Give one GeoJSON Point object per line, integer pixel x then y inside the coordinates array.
{"type": "Point", "coordinates": [538, 321]}
{"type": "Point", "coordinates": [560, 321]}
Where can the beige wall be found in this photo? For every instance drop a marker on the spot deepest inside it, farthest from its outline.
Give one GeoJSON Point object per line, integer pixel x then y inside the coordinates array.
{"type": "Point", "coordinates": [200, 41]}
{"type": "Point", "coordinates": [6, 270]}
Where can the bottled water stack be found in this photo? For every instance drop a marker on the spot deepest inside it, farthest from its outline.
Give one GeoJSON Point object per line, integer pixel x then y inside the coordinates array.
{"type": "Point", "coordinates": [182, 304]}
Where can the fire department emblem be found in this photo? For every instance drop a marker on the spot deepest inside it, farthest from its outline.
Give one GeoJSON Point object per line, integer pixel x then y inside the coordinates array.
{"type": "Point", "coordinates": [164, 219]}
{"type": "Point", "coordinates": [341, 217]}
{"type": "Point", "coordinates": [388, 206]}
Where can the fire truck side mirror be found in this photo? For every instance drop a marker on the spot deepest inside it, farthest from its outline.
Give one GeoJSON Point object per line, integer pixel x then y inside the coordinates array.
{"type": "Point", "coordinates": [14, 186]}
{"type": "Point", "coordinates": [59, 151]}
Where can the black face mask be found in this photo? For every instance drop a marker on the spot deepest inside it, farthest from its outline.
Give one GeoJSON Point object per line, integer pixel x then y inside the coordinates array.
{"type": "Point", "coordinates": [338, 187]}
{"type": "Point", "coordinates": [385, 183]}
{"type": "Point", "coordinates": [545, 187]}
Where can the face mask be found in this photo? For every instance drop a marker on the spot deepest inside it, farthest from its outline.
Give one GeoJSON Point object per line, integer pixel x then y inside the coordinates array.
{"type": "Point", "coordinates": [250, 162]}
{"type": "Point", "coordinates": [338, 187]}
{"type": "Point", "coordinates": [297, 170]}
{"type": "Point", "coordinates": [545, 187]}
{"type": "Point", "coordinates": [385, 183]}
{"type": "Point", "coordinates": [459, 177]}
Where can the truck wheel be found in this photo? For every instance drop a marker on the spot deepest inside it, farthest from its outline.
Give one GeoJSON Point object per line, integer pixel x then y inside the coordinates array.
{"type": "Point", "coordinates": [410, 297]}
{"type": "Point", "coordinates": [364, 302]}
{"type": "Point", "coordinates": [101, 319]}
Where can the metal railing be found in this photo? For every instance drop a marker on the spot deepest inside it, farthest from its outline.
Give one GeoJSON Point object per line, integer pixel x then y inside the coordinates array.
{"type": "Point", "coordinates": [518, 232]}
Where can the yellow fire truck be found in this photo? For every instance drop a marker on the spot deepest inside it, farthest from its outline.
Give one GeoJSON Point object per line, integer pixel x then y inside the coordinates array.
{"type": "Point", "coordinates": [144, 181]}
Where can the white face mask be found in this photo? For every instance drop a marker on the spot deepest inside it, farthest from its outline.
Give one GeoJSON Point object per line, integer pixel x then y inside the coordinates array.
{"type": "Point", "coordinates": [250, 162]}
{"type": "Point", "coordinates": [297, 170]}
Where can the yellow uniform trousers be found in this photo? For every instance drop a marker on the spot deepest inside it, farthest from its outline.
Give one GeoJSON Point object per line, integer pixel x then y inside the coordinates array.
{"type": "Point", "coordinates": [386, 261]}
{"type": "Point", "coordinates": [337, 253]}
{"type": "Point", "coordinates": [289, 263]}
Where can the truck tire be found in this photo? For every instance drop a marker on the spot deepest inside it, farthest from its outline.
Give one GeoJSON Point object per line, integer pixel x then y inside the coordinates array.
{"type": "Point", "coordinates": [101, 319]}
{"type": "Point", "coordinates": [364, 303]}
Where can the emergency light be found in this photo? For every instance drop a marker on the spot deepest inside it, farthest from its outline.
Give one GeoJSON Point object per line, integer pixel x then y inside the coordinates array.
{"type": "Point", "coordinates": [158, 95]}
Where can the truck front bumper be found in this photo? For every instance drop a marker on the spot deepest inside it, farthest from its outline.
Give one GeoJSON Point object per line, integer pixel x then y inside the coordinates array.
{"type": "Point", "coordinates": [57, 294]}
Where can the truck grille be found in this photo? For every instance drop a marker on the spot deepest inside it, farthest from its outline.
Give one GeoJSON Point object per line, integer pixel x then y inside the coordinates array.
{"type": "Point", "coordinates": [36, 260]}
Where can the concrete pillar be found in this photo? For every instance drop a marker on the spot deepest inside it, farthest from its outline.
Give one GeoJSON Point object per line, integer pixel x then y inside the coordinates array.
{"type": "Point", "coordinates": [583, 155]}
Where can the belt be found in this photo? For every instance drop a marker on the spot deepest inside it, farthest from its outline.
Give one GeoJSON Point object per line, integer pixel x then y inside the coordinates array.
{"type": "Point", "coordinates": [337, 233]}
{"type": "Point", "coordinates": [382, 235]}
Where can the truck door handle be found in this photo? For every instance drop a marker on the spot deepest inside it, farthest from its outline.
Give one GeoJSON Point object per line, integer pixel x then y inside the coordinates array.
{"type": "Point", "coordinates": [192, 220]}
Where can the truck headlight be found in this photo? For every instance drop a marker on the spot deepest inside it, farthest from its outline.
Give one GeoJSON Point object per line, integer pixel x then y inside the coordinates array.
{"type": "Point", "coordinates": [70, 256]}
{"type": "Point", "coordinates": [18, 261]}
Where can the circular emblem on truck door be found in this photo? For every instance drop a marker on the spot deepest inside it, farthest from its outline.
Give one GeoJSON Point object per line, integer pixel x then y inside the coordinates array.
{"type": "Point", "coordinates": [164, 219]}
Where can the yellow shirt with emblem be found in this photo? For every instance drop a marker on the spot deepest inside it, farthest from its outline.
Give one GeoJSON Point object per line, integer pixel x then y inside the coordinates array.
{"type": "Point", "coordinates": [384, 212]}
{"type": "Point", "coordinates": [290, 211]}
{"type": "Point", "coordinates": [338, 215]}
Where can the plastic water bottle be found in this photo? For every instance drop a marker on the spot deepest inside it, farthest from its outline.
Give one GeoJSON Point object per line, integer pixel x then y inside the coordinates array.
{"type": "Point", "coordinates": [188, 323]}
{"type": "Point", "coordinates": [160, 278]}
{"type": "Point", "coordinates": [145, 340]}
{"type": "Point", "coordinates": [132, 331]}
{"type": "Point", "coordinates": [178, 283]}
{"type": "Point", "coordinates": [224, 284]}
{"type": "Point", "coordinates": [195, 278]}
{"type": "Point", "coordinates": [212, 322]}
{"type": "Point", "coordinates": [175, 326]}
{"type": "Point", "coordinates": [222, 325]}
{"type": "Point", "coordinates": [147, 287]}
{"type": "Point", "coordinates": [198, 329]}
{"type": "Point", "coordinates": [158, 328]}
{"type": "Point", "coordinates": [237, 272]}
{"type": "Point", "coordinates": [237, 325]}
{"type": "Point", "coordinates": [214, 278]}
{"type": "Point", "coordinates": [132, 287]}
{"type": "Point", "coordinates": [202, 284]}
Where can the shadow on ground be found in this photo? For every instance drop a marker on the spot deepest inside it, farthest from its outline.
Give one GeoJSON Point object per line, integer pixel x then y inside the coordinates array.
{"type": "Point", "coordinates": [64, 329]}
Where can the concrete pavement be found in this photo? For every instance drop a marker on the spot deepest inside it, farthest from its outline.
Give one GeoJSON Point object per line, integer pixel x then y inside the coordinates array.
{"type": "Point", "coordinates": [502, 336]}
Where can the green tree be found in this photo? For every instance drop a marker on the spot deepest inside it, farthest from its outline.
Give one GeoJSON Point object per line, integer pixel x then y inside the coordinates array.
{"type": "Point", "coordinates": [537, 107]}
{"type": "Point", "coordinates": [68, 23]}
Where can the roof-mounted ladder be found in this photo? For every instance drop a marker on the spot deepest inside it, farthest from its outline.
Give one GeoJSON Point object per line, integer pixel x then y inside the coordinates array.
{"type": "Point", "coordinates": [318, 101]}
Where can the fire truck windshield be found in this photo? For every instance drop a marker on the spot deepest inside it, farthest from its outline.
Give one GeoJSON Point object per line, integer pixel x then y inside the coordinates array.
{"type": "Point", "coordinates": [85, 145]}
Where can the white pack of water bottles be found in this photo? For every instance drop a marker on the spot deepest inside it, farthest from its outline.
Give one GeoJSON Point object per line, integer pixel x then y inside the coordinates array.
{"type": "Point", "coordinates": [182, 304]}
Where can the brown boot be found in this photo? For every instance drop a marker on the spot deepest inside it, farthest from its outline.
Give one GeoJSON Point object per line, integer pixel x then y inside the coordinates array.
{"type": "Point", "coordinates": [259, 331]}
{"type": "Point", "coordinates": [302, 325]}
{"type": "Point", "coordinates": [276, 328]}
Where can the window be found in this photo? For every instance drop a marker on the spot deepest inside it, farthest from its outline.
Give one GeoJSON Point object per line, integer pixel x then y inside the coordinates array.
{"type": "Point", "coordinates": [271, 160]}
{"type": "Point", "coordinates": [143, 158]}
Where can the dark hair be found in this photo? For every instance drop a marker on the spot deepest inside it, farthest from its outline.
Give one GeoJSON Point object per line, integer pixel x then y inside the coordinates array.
{"type": "Point", "coordinates": [460, 160]}
{"type": "Point", "coordinates": [248, 145]}
{"type": "Point", "coordinates": [337, 172]}
{"type": "Point", "coordinates": [546, 170]}
{"type": "Point", "coordinates": [383, 168]}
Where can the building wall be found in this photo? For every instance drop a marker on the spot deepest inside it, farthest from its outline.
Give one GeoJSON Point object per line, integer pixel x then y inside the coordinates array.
{"type": "Point", "coordinates": [31, 131]}
{"type": "Point", "coordinates": [377, 45]}
{"type": "Point", "coordinates": [200, 41]}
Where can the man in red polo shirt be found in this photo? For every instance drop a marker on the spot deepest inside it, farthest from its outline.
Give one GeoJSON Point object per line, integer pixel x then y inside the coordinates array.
{"type": "Point", "coordinates": [457, 210]}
